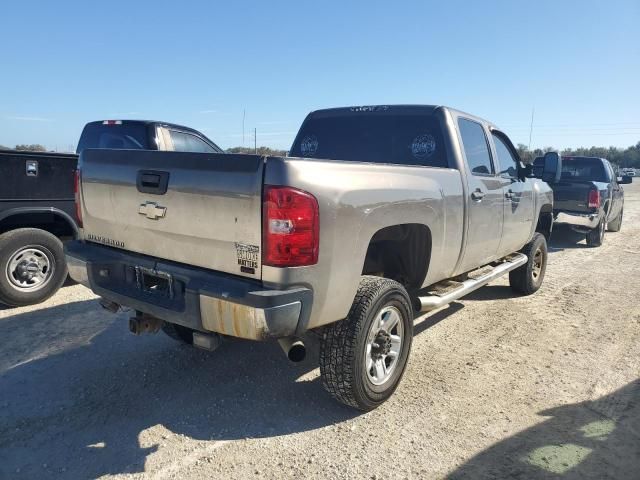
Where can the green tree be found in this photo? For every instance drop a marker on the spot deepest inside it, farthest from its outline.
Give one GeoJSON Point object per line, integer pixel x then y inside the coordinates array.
{"type": "Point", "coordinates": [260, 151]}
{"type": "Point", "coordinates": [35, 147]}
{"type": "Point", "coordinates": [525, 154]}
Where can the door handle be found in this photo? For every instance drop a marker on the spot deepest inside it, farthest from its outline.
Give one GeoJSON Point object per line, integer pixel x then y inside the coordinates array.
{"type": "Point", "coordinates": [152, 181]}
{"type": "Point", "coordinates": [477, 195]}
{"type": "Point", "coordinates": [509, 194]}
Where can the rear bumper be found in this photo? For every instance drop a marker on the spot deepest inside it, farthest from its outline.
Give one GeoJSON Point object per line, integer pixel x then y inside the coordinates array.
{"type": "Point", "coordinates": [200, 299]}
{"type": "Point", "coordinates": [585, 221]}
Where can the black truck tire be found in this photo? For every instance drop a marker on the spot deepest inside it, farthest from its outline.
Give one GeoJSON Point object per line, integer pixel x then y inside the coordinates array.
{"type": "Point", "coordinates": [528, 278]}
{"type": "Point", "coordinates": [596, 236]}
{"type": "Point", "coordinates": [616, 224]}
{"type": "Point", "coordinates": [178, 332]}
{"type": "Point", "coordinates": [363, 357]}
{"type": "Point", "coordinates": [32, 266]}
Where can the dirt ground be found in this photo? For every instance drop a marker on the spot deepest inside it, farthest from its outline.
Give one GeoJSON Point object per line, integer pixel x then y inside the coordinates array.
{"type": "Point", "coordinates": [497, 386]}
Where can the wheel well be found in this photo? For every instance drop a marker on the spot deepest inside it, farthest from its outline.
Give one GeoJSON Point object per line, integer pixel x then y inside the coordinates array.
{"type": "Point", "coordinates": [49, 221]}
{"type": "Point", "coordinates": [545, 221]}
{"type": "Point", "coordinates": [400, 252]}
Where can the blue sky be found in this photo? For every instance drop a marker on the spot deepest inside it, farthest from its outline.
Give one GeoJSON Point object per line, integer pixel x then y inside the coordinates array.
{"type": "Point", "coordinates": [202, 63]}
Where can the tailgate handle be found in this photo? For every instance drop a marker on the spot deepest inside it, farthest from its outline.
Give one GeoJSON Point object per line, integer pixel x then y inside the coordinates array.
{"type": "Point", "coordinates": [152, 181]}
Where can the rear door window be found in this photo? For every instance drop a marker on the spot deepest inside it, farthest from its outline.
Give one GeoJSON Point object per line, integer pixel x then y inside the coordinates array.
{"type": "Point", "coordinates": [476, 148]}
{"type": "Point", "coordinates": [185, 142]}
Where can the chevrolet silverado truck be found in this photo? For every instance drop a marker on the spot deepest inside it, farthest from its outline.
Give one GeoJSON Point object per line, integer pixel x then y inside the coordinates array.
{"type": "Point", "coordinates": [379, 213]}
{"type": "Point", "coordinates": [37, 206]}
{"type": "Point", "coordinates": [588, 197]}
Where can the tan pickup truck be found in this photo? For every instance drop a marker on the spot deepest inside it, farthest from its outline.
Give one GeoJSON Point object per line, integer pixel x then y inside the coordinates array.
{"type": "Point", "coordinates": [379, 213]}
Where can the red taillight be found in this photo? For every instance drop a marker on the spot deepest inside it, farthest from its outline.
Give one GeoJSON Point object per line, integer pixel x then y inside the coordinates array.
{"type": "Point", "coordinates": [594, 199]}
{"type": "Point", "coordinates": [291, 229]}
{"type": "Point", "coordinates": [76, 194]}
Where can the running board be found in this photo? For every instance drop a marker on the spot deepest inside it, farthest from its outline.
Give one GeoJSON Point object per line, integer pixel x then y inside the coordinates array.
{"type": "Point", "coordinates": [433, 302]}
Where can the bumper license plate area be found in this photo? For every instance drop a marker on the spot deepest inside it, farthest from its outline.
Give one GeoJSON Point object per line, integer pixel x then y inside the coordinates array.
{"type": "Point", "coordinates": [154, 282]}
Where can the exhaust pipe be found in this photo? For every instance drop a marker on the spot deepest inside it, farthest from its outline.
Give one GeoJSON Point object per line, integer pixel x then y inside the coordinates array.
{"type": "Point", "coordinates": [293, 348]}
{"type": "Point", "coordinates": [144, 324]}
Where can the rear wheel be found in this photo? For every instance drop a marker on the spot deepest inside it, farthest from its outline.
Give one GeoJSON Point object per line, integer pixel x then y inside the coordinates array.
{"type": "Point", "coordinates": [528, 278]}
{"type": "Point", "coordinates": [32, 266]}
{"type": "Point", "coordinates": [363, 358]}
{"type": "Point", "coordinates": [596, 236]}
{"type": "Point", "coordinates": [616, 224]}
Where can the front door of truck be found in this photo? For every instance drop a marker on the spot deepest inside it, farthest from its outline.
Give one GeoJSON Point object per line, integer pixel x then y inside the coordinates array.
{"type": "Point", "coordinates": [485, 202]}
{"type": "Point", "coordinates": [518, 197]}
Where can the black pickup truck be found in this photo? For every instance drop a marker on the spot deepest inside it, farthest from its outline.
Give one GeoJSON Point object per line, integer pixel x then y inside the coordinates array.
{"type": "Point", "coordinates": [588, 198]}
{"type": "Point", "coordinates": [37, 210]}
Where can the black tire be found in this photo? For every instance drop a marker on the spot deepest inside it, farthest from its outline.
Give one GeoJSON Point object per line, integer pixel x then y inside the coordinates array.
{"type": "Point", "coordinates": [178, 332]}
{"type": "Point", "coordinates": [344, 345]}
{"type": "Point", "coordinates": [23, 252]}
{"type": "Point", "coordinates": [528, 278]}
{"type": "Point", "coordinates": [616, 224]}
{"type": "Point", "coordinates": [596, 236]}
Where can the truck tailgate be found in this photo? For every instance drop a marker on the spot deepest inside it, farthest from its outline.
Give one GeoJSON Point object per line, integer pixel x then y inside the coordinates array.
{"type": "Point", "coordinates": [572, 196]}
{"type": "Point", "coordinates": [209, 215]}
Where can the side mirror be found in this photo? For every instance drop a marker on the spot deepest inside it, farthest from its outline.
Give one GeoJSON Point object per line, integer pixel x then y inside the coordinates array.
{"type": "Point", "coordinates": [625, 179]}
{"type": "Point", "coordinates": [551, 167]}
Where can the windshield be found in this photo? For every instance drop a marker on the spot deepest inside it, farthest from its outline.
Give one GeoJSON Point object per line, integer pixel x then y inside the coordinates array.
{"type": "Point", "coordinates": [130, 136]}
{"type": "Point", "coordinates": [404, 139]}
{"type": "Point", "coordinates": [583, 170]}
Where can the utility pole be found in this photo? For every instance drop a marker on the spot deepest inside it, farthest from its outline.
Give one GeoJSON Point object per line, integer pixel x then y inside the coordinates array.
{"type": "Point", "coordinates": [533, 110]}
{"type": "Point", "coordinates": [244, 111]}
{"type": "Point", "coordinates": [255, 140]}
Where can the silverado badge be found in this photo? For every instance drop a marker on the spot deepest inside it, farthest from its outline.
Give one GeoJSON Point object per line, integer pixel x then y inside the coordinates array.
{"type": "Point", "coordinates": [152, 210]}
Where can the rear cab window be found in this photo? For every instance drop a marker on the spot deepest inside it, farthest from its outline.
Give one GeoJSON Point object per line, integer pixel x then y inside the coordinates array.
{"type": "Point", "coordinates": [583, 169]}
{"type": "Point", "coordinates": [476, 147]}
{"type": "Point", "coordinates": [374, 136]}
{"type": "Point", "coordinates": [123, 135]}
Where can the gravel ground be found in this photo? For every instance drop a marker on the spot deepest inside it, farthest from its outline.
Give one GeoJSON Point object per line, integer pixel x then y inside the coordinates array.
{"type": "Point", "coordinates": [497, 386]}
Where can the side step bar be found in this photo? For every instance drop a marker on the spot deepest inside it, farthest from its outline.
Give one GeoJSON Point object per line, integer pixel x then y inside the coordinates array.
{"type": "Point", "coordinates": [433, 302]}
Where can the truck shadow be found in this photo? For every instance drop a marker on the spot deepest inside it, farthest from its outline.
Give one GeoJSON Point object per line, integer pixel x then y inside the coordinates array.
{"type": "Point", "coordinates": [587, 440]}
{"type": "Point", "coordinates": [84, 409]}
{"type": "Point", "coordinates": [80, 398]}
{"type": "Point", "coordinates": [563, 238]}
{"type": "Point", "coordinates": [423, 322]}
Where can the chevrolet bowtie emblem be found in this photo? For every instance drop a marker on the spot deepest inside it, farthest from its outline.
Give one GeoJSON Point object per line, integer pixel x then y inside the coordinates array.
{"type": "Point", "coordinates": [152, 210]}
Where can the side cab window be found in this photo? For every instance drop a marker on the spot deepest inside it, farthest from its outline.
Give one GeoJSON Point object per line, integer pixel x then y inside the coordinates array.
{"type": "Point", "coordinates": [612, 174]}
{"type": "Point", "coordinates": [476, 147]}
{"type": "Point", "coordinates": [186, 142]}
{"type": "Point", "coordinates": [507, 158]}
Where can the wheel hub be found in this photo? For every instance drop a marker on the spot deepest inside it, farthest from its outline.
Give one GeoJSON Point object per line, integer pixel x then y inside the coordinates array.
{"type": "Point", "coordinates": [30, 268]}
{"type": "Point", "coordinates": [384, 345]}
{"type": "Point", "coordinates": [381, 345]}
{"type": "Point", "coordinates": [537, 264]}
{"type": "Point", "coordinates": [27, 270]}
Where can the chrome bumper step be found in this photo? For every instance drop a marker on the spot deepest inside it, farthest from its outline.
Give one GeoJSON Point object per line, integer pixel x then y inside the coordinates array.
{"type": "Point", "coordinates": [448, 291]}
